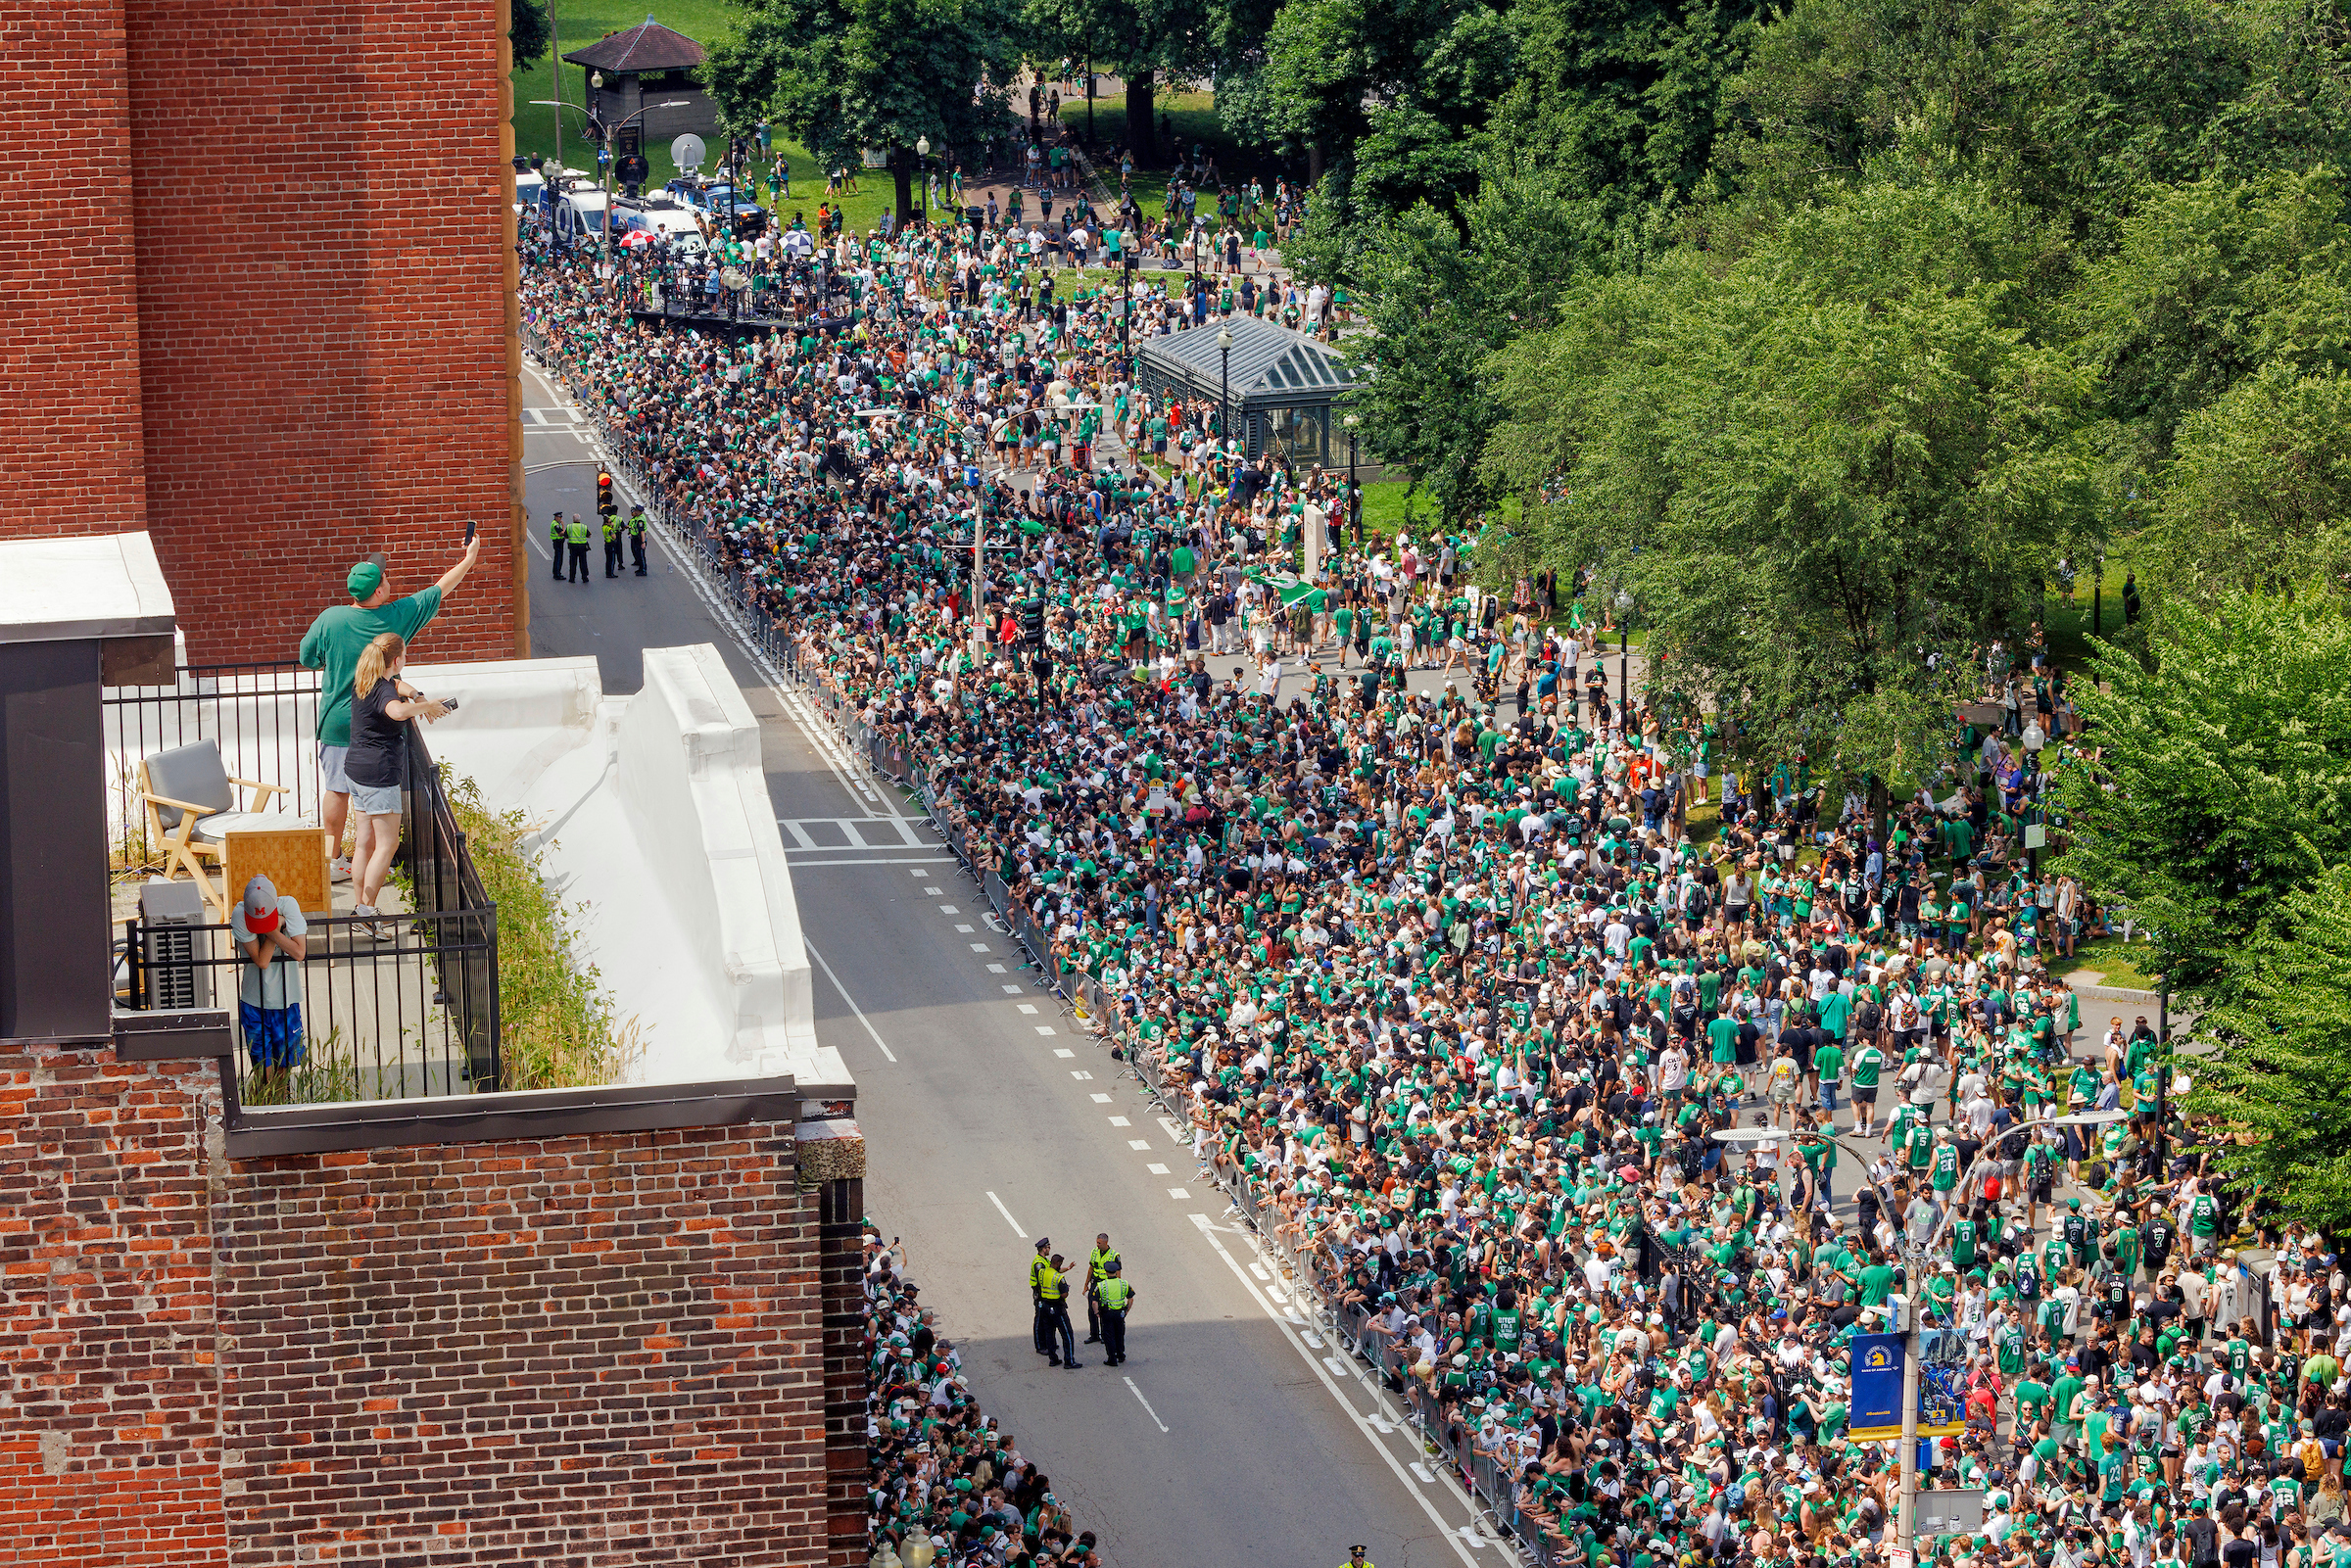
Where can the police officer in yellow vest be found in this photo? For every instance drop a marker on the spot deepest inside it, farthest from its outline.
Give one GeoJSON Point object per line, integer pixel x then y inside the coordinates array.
{"type": "Point", "coordinates": [611, 546]}
{"type": "Point", "coordinates": [1049, 1285]}
{"type": "Point", "coordinates": [575, 540]}
{"type": "Point", "coordinates": [1038, 1267]}
{"type": "Point", "coordinates": [1097, 1269]}
{"type": "Point", "coordinates": [637, 537]}
{"type": "Point", "coordinates": [1112, 1296]}
{"type": "Point", "coordinates": [554, 545]}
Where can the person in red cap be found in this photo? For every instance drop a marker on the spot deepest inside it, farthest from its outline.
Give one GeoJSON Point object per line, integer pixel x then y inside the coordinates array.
{"type": "Point", "coordinates": [268, 930]}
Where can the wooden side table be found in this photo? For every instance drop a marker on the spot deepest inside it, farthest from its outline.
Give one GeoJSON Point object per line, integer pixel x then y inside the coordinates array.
{"type": "Point", "coordinates": [292, 857]}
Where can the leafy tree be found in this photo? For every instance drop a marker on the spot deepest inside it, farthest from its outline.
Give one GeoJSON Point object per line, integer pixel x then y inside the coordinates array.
{"type": "Point", "coordinates": [2205, 283]}
{"type": "Point", "coordinates": [527, 31]}
{"type": "Point", "coordinates": [841, 75]}
{"type": "Point", "coordinates": [2258, 493]}
{"type": "Point", "coordinates": [1145, 42]}
{"type": "Point", "coordinates": [1622, 98]}
{"type": "Point", "coordinates": [2285, 1052]}
{"type": "Point", "coordinates": [1438, 301]}
{"type": "Point", "coordinates": [1825, 474]}
{"type": "Point", "coordinates": [2223, 782]}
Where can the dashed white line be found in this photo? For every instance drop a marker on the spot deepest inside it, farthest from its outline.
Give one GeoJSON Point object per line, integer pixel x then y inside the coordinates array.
{"type": "Point", "coordinates": [1138, 1143]}
{"type": "Point", "coordinates": [1120, 1121]}
{"type": "Point", "coordinates": [1028, 1008]}
{"type": "Point", "coordinates": [1007, 1213]}
{"type": "Point", "coordinates": [1181, 1193]}
{"type": "Point", "coordinates": [1101, 1099]}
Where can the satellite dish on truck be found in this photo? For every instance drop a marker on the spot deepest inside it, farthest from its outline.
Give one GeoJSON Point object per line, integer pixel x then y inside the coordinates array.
{"type": "Point", "coordinates": [688, 151]}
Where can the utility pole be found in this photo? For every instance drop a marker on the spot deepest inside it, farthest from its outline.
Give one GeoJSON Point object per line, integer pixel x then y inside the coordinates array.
{"type": "Point", "coordinates": [979, 582]}
{"type": "Point", "coordinates": [1906, 1522]}
{"type": "Point", "coordinates": [555, 45]}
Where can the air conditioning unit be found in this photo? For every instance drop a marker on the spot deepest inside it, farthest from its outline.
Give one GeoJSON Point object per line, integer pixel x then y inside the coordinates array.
{"type": "Point", "coordinates": [171, 915]}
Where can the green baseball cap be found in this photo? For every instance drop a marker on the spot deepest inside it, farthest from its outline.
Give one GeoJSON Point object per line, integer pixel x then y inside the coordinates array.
{"type": "Point", "coordinates": [365, 579]}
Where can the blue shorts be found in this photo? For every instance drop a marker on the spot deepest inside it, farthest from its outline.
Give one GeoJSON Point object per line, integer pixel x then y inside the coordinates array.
{"type": "Point", "coordinates": [273, 1035]}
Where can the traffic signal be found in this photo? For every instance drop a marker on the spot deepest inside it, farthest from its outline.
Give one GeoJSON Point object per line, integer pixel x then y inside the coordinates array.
{"type": "Point", "coordinates": [604, 503]}
{"type": "Point", "coordinates": [1032, 623]}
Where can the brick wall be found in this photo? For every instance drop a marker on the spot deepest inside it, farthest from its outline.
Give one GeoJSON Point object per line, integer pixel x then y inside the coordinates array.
{"type": "Point", "coordinates": [592, 1349]}
{"type": "Point", "coordinates": [265, 313]}
{"type": "Point", "coordinates": [70, 338]}
{"type": "Point", "coordinates": [324, 368]}
{"type": "Point", "coordinates": [109, 1408]}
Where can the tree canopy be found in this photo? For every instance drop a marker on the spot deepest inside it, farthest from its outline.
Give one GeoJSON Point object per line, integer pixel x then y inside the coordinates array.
{"type": "Point", "coordinates": [2224, 784]}
{"type": "Point", "coordinates": [844, 75]}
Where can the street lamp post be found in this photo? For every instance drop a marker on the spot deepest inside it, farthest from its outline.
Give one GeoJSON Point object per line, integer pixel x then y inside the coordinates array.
{"type": "Point", "coordinates": [1355, 492]}
{"type": "Point", "coordinates": [603, 164]}
{"type": "Point", "coordinates": [1624, 656]}
{"type": "Point", "coordinates": [603, 156]}
{"type": "Point", "coordinates": [1224, 385]}
{"type": "Point", "coordinates": [1127, 282]}
{"type": "Point", "coordinates": [922, 152]}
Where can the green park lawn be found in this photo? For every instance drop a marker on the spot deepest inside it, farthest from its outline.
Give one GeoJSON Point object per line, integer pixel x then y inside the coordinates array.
{"type": "Point", "coordinates": [580, 23]}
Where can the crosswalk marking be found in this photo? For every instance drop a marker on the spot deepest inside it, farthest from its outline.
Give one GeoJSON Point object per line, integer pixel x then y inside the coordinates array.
{"type": "Point", "coordinates": [872, 834]}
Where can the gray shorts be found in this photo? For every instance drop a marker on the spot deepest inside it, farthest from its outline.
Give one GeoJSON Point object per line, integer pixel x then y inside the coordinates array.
{"type": "Point", "coordinates": [374, 800]}
{"type": "Point", "coordinates": [331, 776]}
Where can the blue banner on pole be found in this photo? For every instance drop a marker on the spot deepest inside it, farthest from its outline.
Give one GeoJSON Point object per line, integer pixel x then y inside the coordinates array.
{"type": "Point", "coordinates": [1877, 1402]}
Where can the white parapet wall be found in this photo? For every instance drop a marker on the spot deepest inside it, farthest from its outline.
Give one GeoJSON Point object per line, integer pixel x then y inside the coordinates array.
{"type": "Point", "coordinates": [654, 822]}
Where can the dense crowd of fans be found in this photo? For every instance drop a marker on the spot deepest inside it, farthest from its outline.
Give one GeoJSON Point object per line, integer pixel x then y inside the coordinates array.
{"type": "Point", "coordinates": [1460, 959]}
{"type": "Point", "coordinates": [946, 1485]}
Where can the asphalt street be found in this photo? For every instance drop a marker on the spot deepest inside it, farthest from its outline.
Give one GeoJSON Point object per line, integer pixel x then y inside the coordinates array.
{"type": "Point", "coordinates": [1232, 1434]}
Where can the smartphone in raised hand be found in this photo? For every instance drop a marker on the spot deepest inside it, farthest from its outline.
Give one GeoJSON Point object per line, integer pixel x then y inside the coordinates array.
{"type": "Point", "coordinates": [469, 531]}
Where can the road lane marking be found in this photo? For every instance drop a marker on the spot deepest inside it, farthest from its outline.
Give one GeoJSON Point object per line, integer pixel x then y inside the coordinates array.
{"type": "Point", "coordinates": [1146, 1404]}
{"type": "Point", "coordinates": [1007, 1213]}
{"type": "Point", "coordinates": [949, 909]}
{"type": "Point", "coordinates": [1182, 1194]}
{"type": "Point", "coordinates": [979, 947]}
{"type": "Point", "coordinates": [1064, 1052]}
{"type": "Point", "coordinates": [1140, 1144]}
{"type": "Point", "coordinates": [1101, 1099]}
{"type": "Point", "coordinates": [998, 969]}
{"type": "Point", "coordinates": [1157, 1170]}
{"type": "Point", "coordinates": [1046, 1028]}
{"type": "Point", "coordinates": [965, 930]}
{"type": "Point", "coordinates": [853, 1001]}
{"type": "Point", "coordinates": [1363, 1423]}
{"type": "Point", "coordinates": [1120, 1121]}
{"type": "Point", "coordinates": [1028, 1008]}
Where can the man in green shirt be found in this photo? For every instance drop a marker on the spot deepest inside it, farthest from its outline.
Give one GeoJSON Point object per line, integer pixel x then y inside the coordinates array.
{"type": "Point", "coordinates": [1866, 1064]}
{"type": "Point", "coordinates": [333, 644]}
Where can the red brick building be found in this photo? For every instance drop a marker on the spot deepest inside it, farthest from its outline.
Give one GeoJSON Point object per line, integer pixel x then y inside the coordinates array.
{"type": "Point", "coordinates": [267, 307]}
{"type": "Point", "coordinates": [594, 1326]}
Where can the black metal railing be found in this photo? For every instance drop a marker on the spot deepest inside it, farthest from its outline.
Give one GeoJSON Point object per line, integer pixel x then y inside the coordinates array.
{"type": "Point", "coordinates": [264, 718]}
{"type": "Point", "coordinates": [385, 1010]}
{"type": "Point", "coordinates": [407, 1007]}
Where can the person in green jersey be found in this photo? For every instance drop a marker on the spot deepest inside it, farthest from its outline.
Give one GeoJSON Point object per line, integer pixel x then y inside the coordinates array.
{"type": "Point", "coordinates": [333, 645]}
